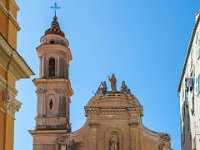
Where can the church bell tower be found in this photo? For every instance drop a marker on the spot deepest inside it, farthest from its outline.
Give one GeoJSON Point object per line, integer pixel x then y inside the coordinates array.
{"type": "Point", "coordinates": [53, 88]}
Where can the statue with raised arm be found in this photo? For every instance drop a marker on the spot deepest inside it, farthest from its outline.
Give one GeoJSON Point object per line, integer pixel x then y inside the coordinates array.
{"type": "Point", "coordinates": [113, 82]}
{"type": "Point", "coordinates": [102, 88]}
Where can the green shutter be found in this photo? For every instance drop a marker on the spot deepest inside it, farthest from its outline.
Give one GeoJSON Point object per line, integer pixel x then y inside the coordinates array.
{"type": "Point", "coordinates": [198, 84]}
{"type": "Point", "coordinates": [199, 42]}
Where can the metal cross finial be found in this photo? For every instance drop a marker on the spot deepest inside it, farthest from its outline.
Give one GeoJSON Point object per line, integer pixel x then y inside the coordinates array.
{"type": "Point", "coordinates": [55, 7]}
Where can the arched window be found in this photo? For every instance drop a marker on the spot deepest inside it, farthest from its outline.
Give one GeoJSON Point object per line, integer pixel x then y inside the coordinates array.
{"type": "Point", "coordinates": [52, 67]}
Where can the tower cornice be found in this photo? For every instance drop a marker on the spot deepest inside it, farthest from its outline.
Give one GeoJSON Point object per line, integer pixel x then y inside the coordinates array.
{"type": "Point", "coordinates": [40, 82]}
{"type": "Point", "coordinates": [46, 48]}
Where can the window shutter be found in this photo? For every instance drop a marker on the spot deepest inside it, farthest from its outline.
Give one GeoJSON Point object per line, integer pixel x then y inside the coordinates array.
{"type": "Point", "coordinates": [198, 84]}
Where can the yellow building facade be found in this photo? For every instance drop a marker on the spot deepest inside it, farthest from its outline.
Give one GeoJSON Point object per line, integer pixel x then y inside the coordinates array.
{"type": "Point", "coordinates": [12, 68]}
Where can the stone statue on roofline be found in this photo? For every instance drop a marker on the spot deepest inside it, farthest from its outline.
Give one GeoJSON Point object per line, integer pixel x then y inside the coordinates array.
{"type": "Point", "coordinates": [124, 88]}
{"type": "Point", "coordinates": [102, 88]}
{"type": "Point", "coordinates": [113, 82]}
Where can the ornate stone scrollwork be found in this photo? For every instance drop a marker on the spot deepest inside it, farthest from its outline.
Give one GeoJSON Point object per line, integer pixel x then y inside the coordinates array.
{"type": "Point", "coordinates": [133, 123]}
{"type": "Point", "coordinates": [40, 91]}
{"type": "Point", "coordinates": [11, 105]}
{"type": "Point", "coordinates": [69, 144]}
{"type": "Point", "coordinates": [63, 141]}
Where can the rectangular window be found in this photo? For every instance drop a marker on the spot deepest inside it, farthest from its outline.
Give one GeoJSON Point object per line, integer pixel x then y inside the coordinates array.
{"type": "Point", "coordinates": [196, 85]}
{"type": "Point", "coordinates": [186, 100]}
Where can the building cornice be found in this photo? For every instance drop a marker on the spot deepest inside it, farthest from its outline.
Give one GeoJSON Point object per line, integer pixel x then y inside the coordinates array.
{"type": "Point", "coordinates": [46, 47]}
{"type": "Point", "coordinates": [5, 85]}
{"type": "Point", "coordinates": [157, 135]}
{"type": "Point", "coordinates": [18, 66]}
{"type": "Point", "coordinates": [10, 15]}
{"type": "Point", "coordinates": [188, 52]}
{"type": "Point", "coordinates": [54, 80]}
{"type": "Point", "coordinates": [15, 4]}
{"type": "Point", "coordinates": [45, 132]}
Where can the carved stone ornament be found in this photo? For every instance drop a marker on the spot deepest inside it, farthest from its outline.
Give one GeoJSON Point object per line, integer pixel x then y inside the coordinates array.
{"type": "Point", "coordinates": [40, 90]}
{"type": "Point", "coordinates": [69, 144]}
{"type": "Point", "coordinates": [60, 91]}
{"type": "Point", "coordinates": [165, 137]}
{"type": "Point", "coordinates": [124, 88]}
{"type": "Point", "coordinates": [133, 123]}
{"type": "Point", "coordinates": [102, 88]}
{"type": "Point", "coordinates": [114, 142]}
{"type": "Point", "coordinates": [93, 123]}
{"type": "Point", "coordinates": [10, 104]}
{"type": "Point", "coordinates": [63, 141]}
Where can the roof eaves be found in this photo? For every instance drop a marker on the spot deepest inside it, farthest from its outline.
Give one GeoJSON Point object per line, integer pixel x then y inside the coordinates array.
{"type": "Point", "coordinates": [188, 52]}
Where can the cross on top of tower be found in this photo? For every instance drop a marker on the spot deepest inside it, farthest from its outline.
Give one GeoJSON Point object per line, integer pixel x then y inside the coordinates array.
{"type": "Point", "coordinates": [55, 7]}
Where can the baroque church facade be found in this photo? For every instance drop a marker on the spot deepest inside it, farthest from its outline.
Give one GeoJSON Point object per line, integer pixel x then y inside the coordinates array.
{"type": "Point", "coordinates": [113, 117]}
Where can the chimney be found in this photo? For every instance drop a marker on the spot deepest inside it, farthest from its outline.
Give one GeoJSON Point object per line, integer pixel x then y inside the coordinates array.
{"type": "Point", "coordinates": [197, 14]}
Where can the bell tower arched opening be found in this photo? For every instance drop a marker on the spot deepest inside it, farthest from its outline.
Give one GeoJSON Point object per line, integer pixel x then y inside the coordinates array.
{"type": "Point", "coordinates": [52, 67]}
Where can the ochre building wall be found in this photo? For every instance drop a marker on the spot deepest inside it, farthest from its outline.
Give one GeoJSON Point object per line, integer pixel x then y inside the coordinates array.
{"type": "Point", "coordinates": [12, 68]}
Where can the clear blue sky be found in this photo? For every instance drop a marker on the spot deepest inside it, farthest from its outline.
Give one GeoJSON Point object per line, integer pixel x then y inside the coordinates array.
{"type": "Point", "coordinates": [143, 42]}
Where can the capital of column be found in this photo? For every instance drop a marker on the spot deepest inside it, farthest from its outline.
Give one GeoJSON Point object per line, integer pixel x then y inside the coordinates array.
{"type": "Point", "coordinates": [11, 105]}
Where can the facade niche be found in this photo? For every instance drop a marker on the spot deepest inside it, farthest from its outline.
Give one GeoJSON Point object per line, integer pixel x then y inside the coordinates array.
{"type": "Point", "coordinates": [52, 67]}
{"type": "Point", "coordinates": [51, 104]}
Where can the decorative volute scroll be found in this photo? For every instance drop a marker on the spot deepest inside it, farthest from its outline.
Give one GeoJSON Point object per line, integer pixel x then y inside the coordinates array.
{"type": "Point", "coordinates": [11, 105]}
{"type": "Point", "coordinates": [67, 143]}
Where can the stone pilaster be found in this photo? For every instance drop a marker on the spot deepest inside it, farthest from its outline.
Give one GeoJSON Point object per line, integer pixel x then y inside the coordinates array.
{"type": "Point", "coordinates": [135, 135]}
{"type": "Point", "coordinates": [93, 135]}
